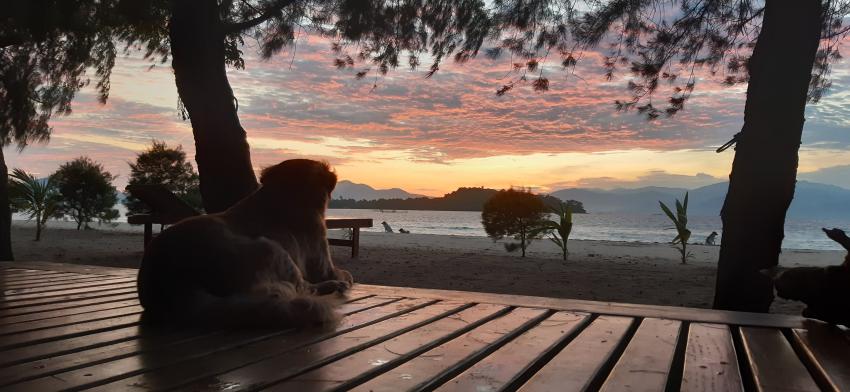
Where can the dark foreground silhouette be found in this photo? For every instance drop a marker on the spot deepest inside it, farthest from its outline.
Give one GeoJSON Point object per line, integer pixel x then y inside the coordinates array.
{"type": "Point", "coordinates": [263, 262]}
{"type": "Point", "coordinates": [825, 291]}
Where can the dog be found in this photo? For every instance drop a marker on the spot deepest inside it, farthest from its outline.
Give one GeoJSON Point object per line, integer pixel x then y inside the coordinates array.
{"type": "Point", "coordinates": [824, 290]}
{"type": "Point", "coordinates": [264, 262]}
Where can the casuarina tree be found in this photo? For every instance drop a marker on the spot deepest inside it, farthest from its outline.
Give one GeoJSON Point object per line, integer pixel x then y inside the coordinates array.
{"type": "Point", "coordinates": [514, 213]}
{"type": "Point", "coordinates": [166, 166]}
{"type": "Point", "coordinates": [86, 192]}
{"type": "Point", "coordinates": [46, 48]}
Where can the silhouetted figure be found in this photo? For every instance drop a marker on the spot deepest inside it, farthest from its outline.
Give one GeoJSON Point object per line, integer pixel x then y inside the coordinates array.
{"type": "Point", "coordinates": [387, 228]}
{"type": "Point", "coordinates": [403, 231]}
{"type": "Point", "coordinates": [824, 290]}
{"type": "Point", "coordinates": [711, 237]}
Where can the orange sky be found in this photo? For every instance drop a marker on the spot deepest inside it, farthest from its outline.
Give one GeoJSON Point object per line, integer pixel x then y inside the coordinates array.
{"type": "Point", "coordinates": [430, 136]}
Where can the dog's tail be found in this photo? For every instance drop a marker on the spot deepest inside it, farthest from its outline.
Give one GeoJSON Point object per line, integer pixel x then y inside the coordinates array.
{"type": "Point", "coordinates": [276, 308]}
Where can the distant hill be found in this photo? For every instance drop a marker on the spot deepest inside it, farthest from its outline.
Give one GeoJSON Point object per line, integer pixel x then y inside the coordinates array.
{"type": "Point", "coordinates": [811, 200]}
{"type": "Point", "coordinates": [350, 190]}
{"type": "Point", "coordinates": [463, 199]}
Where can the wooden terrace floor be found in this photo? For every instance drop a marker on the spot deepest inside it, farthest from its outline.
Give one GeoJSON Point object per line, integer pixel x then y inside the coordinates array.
{"type": "Point", "coordinates": [65, 327]}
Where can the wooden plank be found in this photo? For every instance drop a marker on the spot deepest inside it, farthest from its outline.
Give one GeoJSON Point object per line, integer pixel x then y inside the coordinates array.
{"type": "Point", "coordinates": [66, 331]}
{"type": "Point", "coordinates": [645, 364]}
{"type": "Point", "coordinates": [774, 363]}
{"type": "Point", "coordinates": [361, 314]}
{"type": "Point", "coordinates": [10, 300]}
{"type": "Point", "coordinates": [51, 282]}
{"type": "Point", "coordinates": [59, 277]}
{"type": "Point", "coordinates": [69, 345]}
{"type": "Point", "coordinates": [11, 294]}
{"type": "Point", "coordinates": [341, 373]}
{"type": "Point", "coordinates": [710, 360]}
{"type": "Point", "coordinates": [827, 349]}
{"type": "Point", "coordinates": [306, 358]}
{"type": "Point", "coordinates": [28, 272]}
{"type": "Point", "coordinates": [511, 361]}
{"type": "Point", "coordinates": [605, 308]}
{"type": "Point", "coordinates": [594, 346]}
{"type": "Point", "coordinates": [51, 307]}
{"type": "Point", "coordinates": [75, 268]}
{"type": "Point", "coordinates": [59, 363]}
{"type": "Point", "coordinates": [63, 299]}
{"type": "Point", "coordinates": [164, 356]}
{"type": "Point", "coordinates": [67, 312]}
{"type": "Point", "coordinates": [445, 360]}
{"type": "Point", "coordinates": [346, 223]}
{"type": "Point", "coordinates": [10, 329]}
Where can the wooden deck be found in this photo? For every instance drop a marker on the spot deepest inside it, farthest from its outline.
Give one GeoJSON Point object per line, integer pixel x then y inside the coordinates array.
{"type": "Point", "coordinates": [65, 327]}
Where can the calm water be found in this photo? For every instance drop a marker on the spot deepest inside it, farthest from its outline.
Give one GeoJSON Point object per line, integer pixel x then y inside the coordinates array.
{"type": "Point", "coordinates": [799, 234]}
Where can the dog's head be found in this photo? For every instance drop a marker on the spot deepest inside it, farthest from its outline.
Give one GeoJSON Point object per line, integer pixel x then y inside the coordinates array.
{"type": "Point", "coordinates": [304, 182]}
{"type": "Point", "coordinates": [825, 291]}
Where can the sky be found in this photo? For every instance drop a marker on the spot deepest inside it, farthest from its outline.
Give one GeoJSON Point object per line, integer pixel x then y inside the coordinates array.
{"type": "Point", "coordinates": [432, 135]}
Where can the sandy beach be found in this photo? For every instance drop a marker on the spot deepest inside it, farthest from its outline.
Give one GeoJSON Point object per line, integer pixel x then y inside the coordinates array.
{"type": "Point", "coordinates": [596, 270]}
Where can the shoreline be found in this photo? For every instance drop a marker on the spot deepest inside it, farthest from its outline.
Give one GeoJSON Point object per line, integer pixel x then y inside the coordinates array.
{"type": "Point", "coordinates": [705, 254]}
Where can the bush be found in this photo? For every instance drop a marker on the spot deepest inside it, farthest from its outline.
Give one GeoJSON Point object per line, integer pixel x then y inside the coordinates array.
{"type": "Point", "coordinates": [514, 213]}
{"type": "Point", "coordinates": [87, 192]}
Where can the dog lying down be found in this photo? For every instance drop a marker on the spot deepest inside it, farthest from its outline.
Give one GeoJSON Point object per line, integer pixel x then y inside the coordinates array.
{"type": "Point", "coordinates": [825, 291]}
{"type": "Point", "coordinates": [264, 262]}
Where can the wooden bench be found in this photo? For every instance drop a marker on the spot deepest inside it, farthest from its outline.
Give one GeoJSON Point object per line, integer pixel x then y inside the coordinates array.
{"type": "Point", "coordinates": [67, 327]}
{"type": "Point", "coordinates": [168, 209]}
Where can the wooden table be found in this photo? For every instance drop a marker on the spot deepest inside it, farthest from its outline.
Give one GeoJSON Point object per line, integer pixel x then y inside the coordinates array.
{"type": "Point", "coordinates": [335, 223]}
{"type": "Point", "coordinates": [65, 327]}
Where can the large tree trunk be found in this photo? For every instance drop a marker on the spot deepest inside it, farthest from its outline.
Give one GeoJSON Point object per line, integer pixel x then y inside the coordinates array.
{"type": "Point", "coordinates": [198, 59]}
{"type": "Point", "coordinates": [761, 185]}
{"type": "Point", "coordinates": [5, 212]}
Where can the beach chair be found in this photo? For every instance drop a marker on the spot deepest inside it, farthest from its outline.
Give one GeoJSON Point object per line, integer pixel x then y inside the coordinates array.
{"type": "Point", "coordinates": [167, 208]}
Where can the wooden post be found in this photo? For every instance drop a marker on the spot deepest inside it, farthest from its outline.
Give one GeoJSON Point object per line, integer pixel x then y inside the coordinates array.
{"type": "Point", "coordinates": [148, 232]}
{"type": "Point", "coordinates": [355, 239]}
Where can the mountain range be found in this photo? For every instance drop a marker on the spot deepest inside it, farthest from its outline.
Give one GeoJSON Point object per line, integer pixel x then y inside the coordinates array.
{"type": "Point", "coordinates": [811, 201]}
{"type": "Point", "coordinates": [351, 190]}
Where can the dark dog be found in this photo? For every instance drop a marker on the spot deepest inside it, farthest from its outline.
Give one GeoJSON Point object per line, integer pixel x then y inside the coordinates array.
{"type": "Point", "coordinates": [825, 291]}
{"type": "Point", "coordinates": [263, 262]}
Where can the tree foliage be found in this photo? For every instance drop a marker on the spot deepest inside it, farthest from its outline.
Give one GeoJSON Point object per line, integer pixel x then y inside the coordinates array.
{"type": "Point", "coordinates": [166, 166]}
{"type": "Point", "coordinates": [38, 198]}
{"type": "Point", "coordinates": [47, 49]}
{"type": "Point", "coordinates": [514, 213]}
{"type": "Point", "coordinates": [87, 192]}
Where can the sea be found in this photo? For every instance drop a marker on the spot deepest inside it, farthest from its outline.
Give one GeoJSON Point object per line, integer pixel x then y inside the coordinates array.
{"type": "Point", "coordinates": [615, 226]}
{"type": "Point", "coordinates": [652, 228]}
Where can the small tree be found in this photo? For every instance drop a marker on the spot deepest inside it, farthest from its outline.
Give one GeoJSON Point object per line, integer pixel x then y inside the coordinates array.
{"type": "Point", "coordinates": [38, 198]}
{"type": "Point", "coordinates": [559, 231]}
{"type": "Point", "coordinates": [87, 191]}
{"type": "Point", "coordinates": [513, 213]}
{"type": "Point", "coordinates": [680, 221]}
{"type": "Point", "coordinates": [164, 166]}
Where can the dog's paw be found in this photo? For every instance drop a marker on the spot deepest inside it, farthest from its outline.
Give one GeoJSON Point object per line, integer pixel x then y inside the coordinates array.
{"type": "Point", "coordinates": [330, 287]}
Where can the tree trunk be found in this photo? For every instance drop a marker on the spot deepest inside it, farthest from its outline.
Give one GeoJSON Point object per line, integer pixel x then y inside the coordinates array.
{"type": "Point", "coordinates": [5, 213]}
{"type": "Point", "coordinates": [198, 59]}
{"type": "Point", "coordinates": [38, 225]}
{"type": "Point", "coordinates": [761, 185]}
